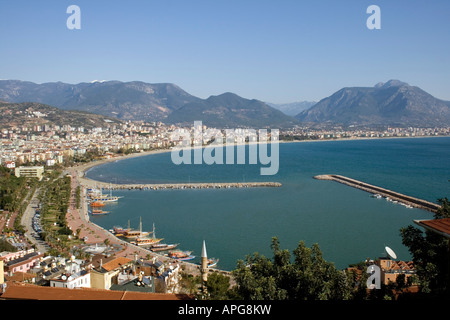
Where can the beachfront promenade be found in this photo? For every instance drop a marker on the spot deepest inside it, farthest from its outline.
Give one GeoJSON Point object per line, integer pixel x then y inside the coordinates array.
{"type": "Point", "coordinates": [394, 196]}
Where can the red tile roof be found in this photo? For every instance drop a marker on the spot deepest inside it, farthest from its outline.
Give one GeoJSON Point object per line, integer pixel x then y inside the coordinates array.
{"type": "Point", "coordinates": [116, 263]}
{"type": "Point", "coordinates": [441, 226]}
{"type": "Point", "coordinates": [34, 292]}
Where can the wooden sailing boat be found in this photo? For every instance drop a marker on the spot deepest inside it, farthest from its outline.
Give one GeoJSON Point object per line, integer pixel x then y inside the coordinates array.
{"type": "Point", "coordinates": [136, 233]}
{"type": "Point", "coordinates": [105, 198]}
{"type": "Point", "coordinates": [148, 241]}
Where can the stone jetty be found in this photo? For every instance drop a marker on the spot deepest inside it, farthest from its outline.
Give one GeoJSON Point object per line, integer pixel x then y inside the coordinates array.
{"type": "Point", "coordinates": [88, 183]}
{"type": "Point", "coordinates": [392, 195]}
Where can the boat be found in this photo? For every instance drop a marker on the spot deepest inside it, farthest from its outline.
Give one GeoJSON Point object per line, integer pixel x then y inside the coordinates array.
{"type": "Point", "coordinates": [146, 241]}
{"type": "Point", "coordinates": [162, 247]}
{"type": "Point", "coordinates": [105, 198]}
{"type": "Point", "coordinates": [181, 255]}
{"type": "Point", "coordinates": [212, 262]}
{"type": "Point", "coordinates": [378, 196]}
{"type": "Point", "coordinates": [97, 204]}
{"type": "Point", "coordinates": [119, 231]}
{"type": "Point", "coordinates": [98, 196]}
{"type": "Point", "coordinates": [99, 212]}
{"type": "Point", "coordinates": [135, 234]}
{"type": "Point", "coordinates": [131, 234]}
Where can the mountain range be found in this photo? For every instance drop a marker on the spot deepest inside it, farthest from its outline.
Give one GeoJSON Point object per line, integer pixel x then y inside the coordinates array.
{"type": "Point", "coordinates": [393, 103]}
{"type": "Point", "coordinates": [124, 100]}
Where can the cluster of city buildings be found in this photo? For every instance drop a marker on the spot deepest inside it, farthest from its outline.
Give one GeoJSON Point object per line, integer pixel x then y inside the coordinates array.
{"type": "Point", "coordinates": [99, 271]}
{"type": "Point", "coordinates": [354, 133]}
{"type": "Point", "coordinates": [52, 144]}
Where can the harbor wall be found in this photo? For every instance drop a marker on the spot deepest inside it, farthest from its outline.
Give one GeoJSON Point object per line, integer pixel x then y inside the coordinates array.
{"type": "Point", "coordinates": [213, 185]}
{"type": "Point", "coordinates": [414, 202]}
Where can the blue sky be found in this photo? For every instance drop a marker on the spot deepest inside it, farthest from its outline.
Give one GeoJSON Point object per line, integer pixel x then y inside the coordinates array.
{"type": "Point", "coordinates": [275, 51]}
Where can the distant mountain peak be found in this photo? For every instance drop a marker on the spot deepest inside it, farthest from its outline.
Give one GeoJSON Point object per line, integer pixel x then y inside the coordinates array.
{"type": "Point", "coordinates": [229, 110]}
{"type": "Point", "coordinates": [392, 103]}
{"type": "Point", "coordinates": [391, 83]}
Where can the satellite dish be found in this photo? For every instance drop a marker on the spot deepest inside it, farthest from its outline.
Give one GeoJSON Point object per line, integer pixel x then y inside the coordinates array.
{"type": "Point", "coordinates": [391, 253]}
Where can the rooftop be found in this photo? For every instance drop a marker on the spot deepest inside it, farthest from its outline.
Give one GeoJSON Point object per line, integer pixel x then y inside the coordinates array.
{"type": "Point", "coordinates": [440, 226]}
{"type": "Point", "coordinates": [116, 263]}
{"type": "Point", "coordinates": [34, 292]}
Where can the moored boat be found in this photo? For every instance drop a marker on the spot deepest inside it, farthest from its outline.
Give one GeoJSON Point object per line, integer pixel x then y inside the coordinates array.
{"type": "Point", "coordinates": [98, 196]}
{"type": "Point", "coordinates": [131, 234]}
{"type": "Point", "coordinates": [162, 247]}
{"type": "Point", "coordinates": [147, 241]}
{"type": "Point", "coordinates": [181, 255]}
{"type": "Point", "coordinates": [106, 198]}
{"type": "Point", "coordinates": [99, 212]}
{"type": "Point", "coordinates": [97, 204]}
{"type": "Point", "coordinates": [212, 262]}
{"type": "Point", "coordinates": [119, 231]}
{"type": "Point", "coordinates": [135, 234]}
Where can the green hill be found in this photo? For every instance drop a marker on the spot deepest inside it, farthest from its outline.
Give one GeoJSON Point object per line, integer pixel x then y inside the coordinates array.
{"type": "Point", "coordinates": [29, 114]}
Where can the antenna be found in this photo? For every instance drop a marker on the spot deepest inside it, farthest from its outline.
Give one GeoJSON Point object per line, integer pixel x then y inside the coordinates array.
{"type": "Point", "coordinates": [390, 252]}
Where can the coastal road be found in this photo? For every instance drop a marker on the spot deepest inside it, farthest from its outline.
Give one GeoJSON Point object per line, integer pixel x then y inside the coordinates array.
{"type": "Point", "coordinates": [27, 221]}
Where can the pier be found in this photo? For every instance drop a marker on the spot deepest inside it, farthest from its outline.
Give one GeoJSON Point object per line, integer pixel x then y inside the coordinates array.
{"type": "Point", "coordinates": [178, 186]}
{"type": "Point", "coordinates": [395, 196]}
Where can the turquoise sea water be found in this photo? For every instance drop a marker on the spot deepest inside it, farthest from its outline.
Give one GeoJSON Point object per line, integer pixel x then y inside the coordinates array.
{"type": "Point", "coordinates": [347, 223]}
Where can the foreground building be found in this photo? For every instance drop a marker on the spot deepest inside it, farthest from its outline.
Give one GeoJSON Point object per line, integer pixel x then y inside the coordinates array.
{"type": "Point", "coordinates": [107, 274]}
{"type": "Point", "coordinates": [21, 261]}
{"type": "Point", "coordinates": [391, 269]}
{"type": "Point", "coordinates": [29, 172]}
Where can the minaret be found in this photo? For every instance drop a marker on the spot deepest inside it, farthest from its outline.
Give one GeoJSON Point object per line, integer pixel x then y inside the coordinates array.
{"type": "Point", "coordinates": [204, 268]}
{"type": "Point", "coordinates": [2, 275]}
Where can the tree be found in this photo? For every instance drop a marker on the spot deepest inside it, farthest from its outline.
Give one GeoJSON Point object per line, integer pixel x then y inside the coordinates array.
{"type": "Point", "coordinates": [189, 283]}
{"type": "Point", "coordinates": [430, 253]}
{"type": "Point", "coordinates": [218, 286]}
{"type": "Point", "coordinates": [309, 277]}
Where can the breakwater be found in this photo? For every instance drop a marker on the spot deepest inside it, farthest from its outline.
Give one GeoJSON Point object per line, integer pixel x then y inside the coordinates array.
{"type": "Point", "coordinates": [177, 186]}
{"type": "Point", "coordinates": [394, 196]}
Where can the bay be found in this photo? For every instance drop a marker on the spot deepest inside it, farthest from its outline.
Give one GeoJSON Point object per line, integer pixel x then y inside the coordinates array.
{"type": "Point", "coordinates": [347, 223]}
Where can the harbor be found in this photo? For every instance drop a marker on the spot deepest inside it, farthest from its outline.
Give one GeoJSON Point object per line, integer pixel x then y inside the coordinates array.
{"type": "Point", "coordinates": [145, 241]}
{"type": "Point", "coordinates": [93, 234]}
{"type": "Point", "coordinates": [381, 192]}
